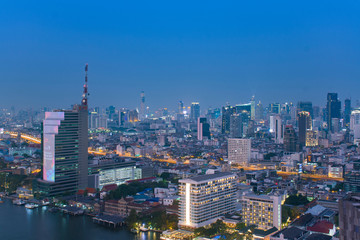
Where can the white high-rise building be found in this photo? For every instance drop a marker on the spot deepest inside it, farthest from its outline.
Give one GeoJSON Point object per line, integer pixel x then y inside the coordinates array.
{"type": "Point", "coordinates": [355, 123]}
{"type": "Point", "coordinates": [206, 198]}
{"type": "Point", "coordinates": [239, 150]}
{"type": "Point", "coordinates": [277, 128]}
{"type": "Point", "coordinates": [262, 210]}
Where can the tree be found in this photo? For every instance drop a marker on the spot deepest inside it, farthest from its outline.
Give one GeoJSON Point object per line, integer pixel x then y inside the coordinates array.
{"type": "Point", "coordinates": [296, 200]}
{"type": "Point", "coordinates": [240, 226]}
{"type": "Point", "coordinates": [132, 219]}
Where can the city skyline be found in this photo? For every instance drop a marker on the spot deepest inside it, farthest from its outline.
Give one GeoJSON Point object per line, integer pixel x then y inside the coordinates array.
{"type": "Point", "coordinates": [173, 52]}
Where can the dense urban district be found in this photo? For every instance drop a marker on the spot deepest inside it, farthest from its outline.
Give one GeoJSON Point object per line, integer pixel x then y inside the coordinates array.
{"type": "Point", "coordinates": [246, 171]}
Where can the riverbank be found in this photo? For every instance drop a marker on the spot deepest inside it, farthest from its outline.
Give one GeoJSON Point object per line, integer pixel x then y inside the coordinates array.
{"type": "Point", "coordinates": [19, 223]}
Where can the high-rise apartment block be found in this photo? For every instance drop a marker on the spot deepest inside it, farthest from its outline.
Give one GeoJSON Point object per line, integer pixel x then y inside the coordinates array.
{"type": "Point", "coordinates": [262, 210]}
{"type": "Point", "coordinates": [206, 198]}
{"type": "Point", "coordinates": [239, 150]}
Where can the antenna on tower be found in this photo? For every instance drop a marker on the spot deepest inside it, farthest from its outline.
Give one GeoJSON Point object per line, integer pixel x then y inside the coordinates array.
{"type": "Point", "coordinates": [85, 94]}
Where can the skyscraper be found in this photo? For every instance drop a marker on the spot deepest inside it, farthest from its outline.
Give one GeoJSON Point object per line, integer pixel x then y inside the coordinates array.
{"type": "Point", "coordinates": [203, 129]}
{"type": "Point", "coordinates": [206, 198]}
{"type": "Point", "coordinates": [239, 150]}
{"type": "Point", "coordinates": [195, 111]}
{"type": "Point", "coordinates": [304, 123]}
{"type": "Point", "coordinates": [290, 139]}
{"type": "Point", "coordinates": [65, 150]}
{"type": "Point", "coordinates": [227, 111]}
{"type": "Point", "coordinates": [236, 130]}
{"type": "Point", "coordinates": [333, 109]}
{"type": "Point", "coordinates": [307, 107]}
{"type": "Point", "coordinates": [142, 105]}
{"type": "Point", "coordinates": [277, 128]}
{"type": "Point", "coordinates": [347, 111]}
{"type": "Point", "coordinates": [181, 107]}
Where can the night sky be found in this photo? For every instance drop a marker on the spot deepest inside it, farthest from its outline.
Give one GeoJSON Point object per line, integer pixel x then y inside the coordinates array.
{"type": "Point", "coordinates": [208, 51]}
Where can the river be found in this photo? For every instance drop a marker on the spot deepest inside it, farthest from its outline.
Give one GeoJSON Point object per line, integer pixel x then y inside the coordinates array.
{"type": "Point", "coordinates": [19, 223]}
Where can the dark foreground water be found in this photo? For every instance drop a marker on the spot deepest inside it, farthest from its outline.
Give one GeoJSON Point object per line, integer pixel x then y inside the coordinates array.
{"type": "Point", "coordinates": [19, 223]}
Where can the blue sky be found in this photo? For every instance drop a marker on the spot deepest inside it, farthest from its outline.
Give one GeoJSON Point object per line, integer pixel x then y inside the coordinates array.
{"type": "Point", "coordinates": [208, 51]}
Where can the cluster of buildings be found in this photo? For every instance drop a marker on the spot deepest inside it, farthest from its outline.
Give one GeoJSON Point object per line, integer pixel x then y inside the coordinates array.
{"type": "Point", "coordinates": [241, 160]}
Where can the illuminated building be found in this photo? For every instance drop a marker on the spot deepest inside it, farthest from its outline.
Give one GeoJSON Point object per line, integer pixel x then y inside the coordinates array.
{"type": "Point", "coordinates": [306, 107]}
{"type": "Point", "coordinates": [206, 198]}
{"type": "Point", "coordinates": [312, 139]}
{"type": "Point", "coordinates": [239, 150]}
{"type": "Point", "coordinates": [304, 123]}
{"type": "Point", "coordinates": [112, 172]}
{"type": "Point", "coordinates": [277, 128]}
{"type": "Point", "coordinates": [355, 123]}
{"type": "Point", "coordinates": [195, 111]}
{"type": "Point", "coordinates": [226, 114]}
{"type": "Point", "coordinates": [65, 150]}
{"type": "Point", "coordinates": [262, 210]}
{"type": "Point", "coordinates": [335, 171]}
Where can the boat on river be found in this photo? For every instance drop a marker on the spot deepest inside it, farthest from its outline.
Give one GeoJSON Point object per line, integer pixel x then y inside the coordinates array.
{"type": "Point", "coordinates": [31, 205]}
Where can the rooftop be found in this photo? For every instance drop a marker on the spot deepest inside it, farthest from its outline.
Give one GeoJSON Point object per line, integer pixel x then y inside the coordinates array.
{"type": "Point", "coordinates": [208, 177]}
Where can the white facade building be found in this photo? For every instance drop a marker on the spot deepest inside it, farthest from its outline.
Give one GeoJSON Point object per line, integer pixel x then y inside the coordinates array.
{"type": "Point", "coordinates": [277, 128]}
{"type": "Point", "coordinates": [206, 198]}
{"type": "Point", "coordinates": [355, 124]}
{"type": "Point", "coordinates": [239, 150]}
{"type": "Point", "coordinates": [262, 210]}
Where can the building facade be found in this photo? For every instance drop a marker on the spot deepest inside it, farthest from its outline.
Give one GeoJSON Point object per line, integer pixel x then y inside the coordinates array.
{"type": "Point", "coordinates": [239, 150]}
{"type": "Point", "coordinates": [262, 210]}
{"type": "Point", "coordinates": [206, 198]}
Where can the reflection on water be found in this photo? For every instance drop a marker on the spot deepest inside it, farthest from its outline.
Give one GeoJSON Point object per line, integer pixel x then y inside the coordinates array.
{"type": "Point", "coordinates": [18, 223]}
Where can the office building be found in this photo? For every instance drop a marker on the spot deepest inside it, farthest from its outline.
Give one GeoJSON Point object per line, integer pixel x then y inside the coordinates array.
{"type": "Point", "coordinates": [239, 150]}
{"type": "Point", "coordinates": [206, 198]}
{"type": "Point", "coordinates": [227, 111]}
{"type": "Point", "coordinates": [355, 124]}
{"type": "Point", "coordinates": [203, 129]}
{"type": "Point", "coordinates": [306, 107]}
{"type": "Point", "coordinates": [277, 128]}
{"type": "Point", "coordinates": [195, 111]}
{"type": "Point", "coordinates": [290, 139]}
{"type": "Point", "coordinates": [312, 139]}
{"type": "Point", "coordinates": [304, 124]}
{"type": "Point", "coordinates": [262, 210]}
{"type": "Point", "coordinates": [333, 109]}
{"type": "Point", "coordinates": [65, 150]}
{"type": "Point", "coordinates": [349, 217]}
{"type": "Point", "coordinates": [112, 171]}
{"type": "Point", "coordinates": [236, 128]}
{"type": "Point", "coordinates": [275, 108]}
{"type": "Point", "coordinates": [180, 107]}
{"type": "Point", "coordinates": [347, 112]}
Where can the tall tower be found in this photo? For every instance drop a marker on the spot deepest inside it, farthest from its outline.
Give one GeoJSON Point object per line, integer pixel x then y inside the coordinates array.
{"type": "Point", "coordinates": [304, 124]}
{"type": "Point", "coordinates": [65, 150]}
{"type": "Point", "coordinates": [142, 105]}
{"type": "Point", "coordinates": [333, 109]}
{"type": "Point", "coordinates": [195, 111]}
